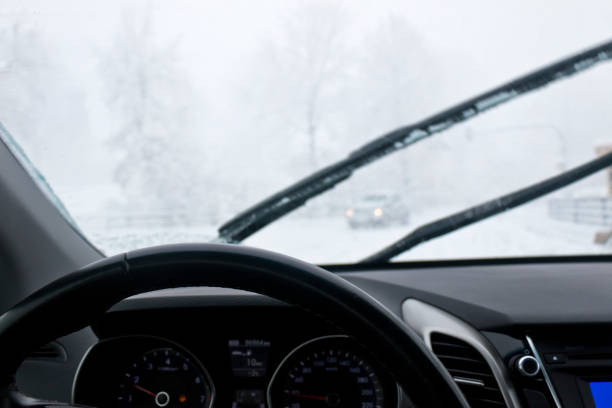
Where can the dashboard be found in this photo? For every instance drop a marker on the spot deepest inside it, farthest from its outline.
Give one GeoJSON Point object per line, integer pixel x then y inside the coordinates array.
{"type": "Point", "coordinates": [228, 356]}
{"type": "Point", "coordinates": [531, 334]}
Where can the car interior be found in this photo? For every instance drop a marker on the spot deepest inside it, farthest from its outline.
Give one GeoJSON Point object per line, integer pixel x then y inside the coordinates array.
{"type": "Point", "coordinates": [221, 324]}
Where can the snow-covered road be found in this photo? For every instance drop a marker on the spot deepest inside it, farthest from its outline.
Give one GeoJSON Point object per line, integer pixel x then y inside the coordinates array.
{"type": "Point", "coordinates": [526, 231]}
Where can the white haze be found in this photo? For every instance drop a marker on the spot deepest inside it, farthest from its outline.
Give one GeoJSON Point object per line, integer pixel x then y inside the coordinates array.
{"type": "Point", "coordinates": [155, 121]}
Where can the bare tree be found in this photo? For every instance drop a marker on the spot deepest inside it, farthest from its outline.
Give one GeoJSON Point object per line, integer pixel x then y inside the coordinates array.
{"type": "Point", "coordinates": [160, 160]}
{"type": "Point", "coordinates": [299, 72]}
{"type": "Point", "coordinates": [395, 73]}
{"type": "Point", "coordinates": [23, 72]}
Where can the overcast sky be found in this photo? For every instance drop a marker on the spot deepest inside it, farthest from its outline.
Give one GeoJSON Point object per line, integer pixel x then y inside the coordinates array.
{"type": "Point", "coordinates": [476, 43]}
{"type": "Point", "coordinates": [501, 38]}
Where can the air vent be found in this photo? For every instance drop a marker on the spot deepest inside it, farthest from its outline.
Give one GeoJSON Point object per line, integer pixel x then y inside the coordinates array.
{"type": "Point", "coordinates": [470, 371]}
{"type": "Point", "coordinates": [52, 351]}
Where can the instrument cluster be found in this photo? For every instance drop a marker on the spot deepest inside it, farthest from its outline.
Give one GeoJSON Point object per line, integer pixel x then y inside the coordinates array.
{"type": "Point", "coordinates": [136, 371]}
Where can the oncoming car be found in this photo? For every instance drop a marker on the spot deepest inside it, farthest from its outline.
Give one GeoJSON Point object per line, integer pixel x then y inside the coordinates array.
{"type": "Point", "coordinates": [377, 210]}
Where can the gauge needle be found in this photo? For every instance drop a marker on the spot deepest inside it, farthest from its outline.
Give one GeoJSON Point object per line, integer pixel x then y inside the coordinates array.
{"type": "Point", "coordinates": [138, 387]}
{"type": "Point", "coordinates": [313, 397]}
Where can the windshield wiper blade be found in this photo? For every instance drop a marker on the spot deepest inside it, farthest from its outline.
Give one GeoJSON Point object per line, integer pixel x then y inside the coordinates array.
{"type": "Point", "coordinates": [487, 209]}
{"type": "Point", "coordinates": [270, 209]}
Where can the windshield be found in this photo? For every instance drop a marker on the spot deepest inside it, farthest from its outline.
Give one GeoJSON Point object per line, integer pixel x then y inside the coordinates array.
{"type": "Point", "coordinates": [156, 122]}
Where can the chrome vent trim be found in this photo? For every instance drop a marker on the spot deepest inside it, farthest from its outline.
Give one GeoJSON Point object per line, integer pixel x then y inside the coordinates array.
{"type": "Point", "coordinates": [469, 381]}
{"type": "Point", "coordinates": [549, 384]}
{"type": "Point", "coordinates": [469, 369]}
{"type": "Point", "coordinates": [426, 319]}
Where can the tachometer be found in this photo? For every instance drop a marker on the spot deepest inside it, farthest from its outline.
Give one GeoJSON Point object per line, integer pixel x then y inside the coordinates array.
{"type": "Point", "coordinates": [165, 377]}
{"type": "Point", "coordinates": [330, 372]}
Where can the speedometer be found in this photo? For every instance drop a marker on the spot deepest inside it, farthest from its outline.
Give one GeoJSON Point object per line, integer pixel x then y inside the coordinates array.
{"type": "Point", "coordinates": [330, 372]}
{"type": "Point", "coordinates": [142, 371]}
{"type": "Point", "coordinates": [165, 377]}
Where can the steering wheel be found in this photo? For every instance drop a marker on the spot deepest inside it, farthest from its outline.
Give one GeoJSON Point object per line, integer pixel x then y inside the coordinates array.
{"type": "Point", "coordinates": [74, 301]}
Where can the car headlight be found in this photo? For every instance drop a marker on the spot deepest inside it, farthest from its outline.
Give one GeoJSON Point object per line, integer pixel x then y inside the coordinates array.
{"type": "Point", "coordinates": [350, 212]}
{"type": "Point", "coordinates": [378, 212]}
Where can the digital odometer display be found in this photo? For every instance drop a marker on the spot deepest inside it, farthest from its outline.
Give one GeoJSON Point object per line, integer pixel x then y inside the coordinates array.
{"type": "Point", "coordinates": [249, 358]}
{"type": "Point", "coordinates": [330, 372]}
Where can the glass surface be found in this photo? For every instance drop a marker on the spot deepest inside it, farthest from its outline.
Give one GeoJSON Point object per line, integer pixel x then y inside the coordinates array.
{"type": "Point", "coordinates": [154, 122]}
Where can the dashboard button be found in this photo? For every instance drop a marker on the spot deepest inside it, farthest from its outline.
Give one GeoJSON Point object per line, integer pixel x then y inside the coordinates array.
{"type": "Point", "coordinates": [528, 366]}
{"type": "Point", "coordinates": [555, 358]}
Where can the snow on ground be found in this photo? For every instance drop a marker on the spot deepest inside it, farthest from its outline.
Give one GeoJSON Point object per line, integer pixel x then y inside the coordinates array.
{"type": "Point", "coordinates": [527, 231]}
{"type": "Point", "coordinates": [523, 232]}
{"type": "Point", "coordinates": [115, 241]}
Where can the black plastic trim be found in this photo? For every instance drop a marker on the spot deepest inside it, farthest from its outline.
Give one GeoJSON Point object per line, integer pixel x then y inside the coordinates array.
{"type": "Point", "coordinates": [407, 265]}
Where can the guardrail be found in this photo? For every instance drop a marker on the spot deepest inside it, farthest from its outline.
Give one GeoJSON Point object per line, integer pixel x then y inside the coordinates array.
{"type": "Point", "coordinates": [591, 210]}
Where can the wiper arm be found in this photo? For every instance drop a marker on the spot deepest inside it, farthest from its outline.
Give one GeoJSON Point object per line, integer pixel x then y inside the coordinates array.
{"type": "Point", "coordinates": [487, 209]}
{"type": "Point", "coordinates": [270, 209]}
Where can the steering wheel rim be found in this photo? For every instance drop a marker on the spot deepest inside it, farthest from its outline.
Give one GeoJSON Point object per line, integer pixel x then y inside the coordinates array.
{"type": "Point", "coordinates": [72, 302]}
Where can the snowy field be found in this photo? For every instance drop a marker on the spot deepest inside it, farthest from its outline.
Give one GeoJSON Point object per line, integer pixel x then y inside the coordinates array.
{"type": "Point", "coordinates": [527, 231]}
